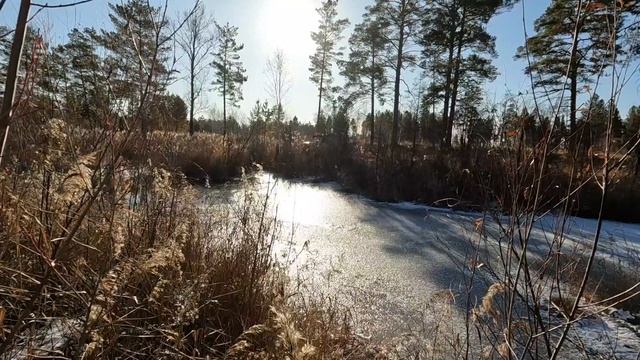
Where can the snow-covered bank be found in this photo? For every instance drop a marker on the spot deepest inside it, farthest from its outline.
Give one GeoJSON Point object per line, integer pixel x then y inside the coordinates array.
{"type": "Point", "coordinates": [618, 240]}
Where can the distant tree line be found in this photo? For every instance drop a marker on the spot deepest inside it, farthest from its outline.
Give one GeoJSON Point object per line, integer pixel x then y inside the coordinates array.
{"type": "Point", "coordinates": [448, 42]}
{"type": "Point", "coordinates": [100, 75]}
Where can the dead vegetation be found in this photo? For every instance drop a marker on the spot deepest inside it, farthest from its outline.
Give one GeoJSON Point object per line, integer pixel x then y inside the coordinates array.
{"type": "Point", "coordinates": [147, 273]}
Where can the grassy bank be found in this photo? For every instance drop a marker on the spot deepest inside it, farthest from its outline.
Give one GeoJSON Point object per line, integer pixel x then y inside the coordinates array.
{"type": "Point", "coordinates": [473, 179]}
{"type": "Point", "coordinates": [116, 259]}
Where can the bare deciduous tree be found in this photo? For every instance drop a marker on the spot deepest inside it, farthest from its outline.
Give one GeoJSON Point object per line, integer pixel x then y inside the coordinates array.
{"type": "Point", "coordinates": [278, 80]}
{"type": "Point", "coordinates": [196, 40]}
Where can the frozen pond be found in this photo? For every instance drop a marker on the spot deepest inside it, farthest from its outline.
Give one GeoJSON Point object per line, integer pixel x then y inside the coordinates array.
{"type": "Point", "coordinates": [386, 261]}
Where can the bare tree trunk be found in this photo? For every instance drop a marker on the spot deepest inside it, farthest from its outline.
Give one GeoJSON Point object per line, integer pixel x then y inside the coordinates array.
{"type": "Point", "coordinates": [141, 90]}
{"type": "Point", "coordinates": [456, 77]}
{"type": "Point", "coordinates": [224, 106]}
{"type": "Point", "coordinates": [446, 142]}
{"type": "Point", "coordinates": [414, 144]}
{"type": "Point", "coordinates": [192, 97]}
{"type": "Point", "coordinates": [373, 111]}
{"type": "Point", "coordinates": [319, 102]}
{"type": "Point", "coordinates": [396, 92]}
{"type": "Point", "coordinates": [574, 98]}
{"type": "Point", "coordinates": [320, 89]}
{"type": "Point", "coordinates": [573, 77]}
{"type": "Point", "coordinates": [636, 171]}
{"type": "Point", "coordinates": [12, 73]}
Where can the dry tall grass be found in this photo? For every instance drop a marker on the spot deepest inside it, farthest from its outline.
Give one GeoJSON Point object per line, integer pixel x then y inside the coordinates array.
{"type": "Point", "coordinates": [149, 272]}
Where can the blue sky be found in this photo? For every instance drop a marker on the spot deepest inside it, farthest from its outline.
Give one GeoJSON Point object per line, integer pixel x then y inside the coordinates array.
{"type": "Point", "coordinates": [266, 25]}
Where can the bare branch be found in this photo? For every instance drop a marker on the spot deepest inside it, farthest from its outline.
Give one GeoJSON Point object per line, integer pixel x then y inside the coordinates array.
{"type": "Point", "coordinates": [47, 6]}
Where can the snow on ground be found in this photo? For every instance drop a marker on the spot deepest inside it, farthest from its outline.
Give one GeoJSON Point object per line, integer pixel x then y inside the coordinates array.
{"type": "Point", "coordinates": [610, 334]}
{"type": "Point", "coordinates": [619, 241]}
{"type": "Point", "coordinates": [49, 340]}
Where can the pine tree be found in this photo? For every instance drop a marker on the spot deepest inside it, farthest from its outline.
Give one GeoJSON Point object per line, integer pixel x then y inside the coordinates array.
{"type": "Point", "coordinates": [83, 75]}
{"type": "Point", "coordinates": [321, 125]}
{"type": "Point", "coordinates": [632, 123]}
{"type": "Point", "coordinates": [229, 71]}
{"type": "Point", "coordinates": [364, 70]}
{"type": "Point", "coordinates": [340, 122]}
{"type": "Point", "coordinates": [43, 72]}
{"type": "Point", "coordinates": [554, 54]}
{"type": "Point", "coordinates": [133, 53]}
{"type": "Point", "coordinates": [399, 21]}
{"type": "Point", "coordinates": [632, 133]}
{"type": "Point", "coordinates": [458, 50]}
{"type": "Point", "coordinates": [169, 113]}
{"type": "Point", "coordinates": [326, 38]}
{"type": "Point", "coordinates": [5, 50]}
{"type": "Point", "coordinates": [595, 121]}
{"type": "Point", "coordinates": [475, 129]}
{"type": "Point", "coordinates": [35, 52]}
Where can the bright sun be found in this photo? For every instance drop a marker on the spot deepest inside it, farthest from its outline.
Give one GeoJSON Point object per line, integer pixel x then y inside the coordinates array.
{"type": "Point", "coordinates": [287, 24]}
